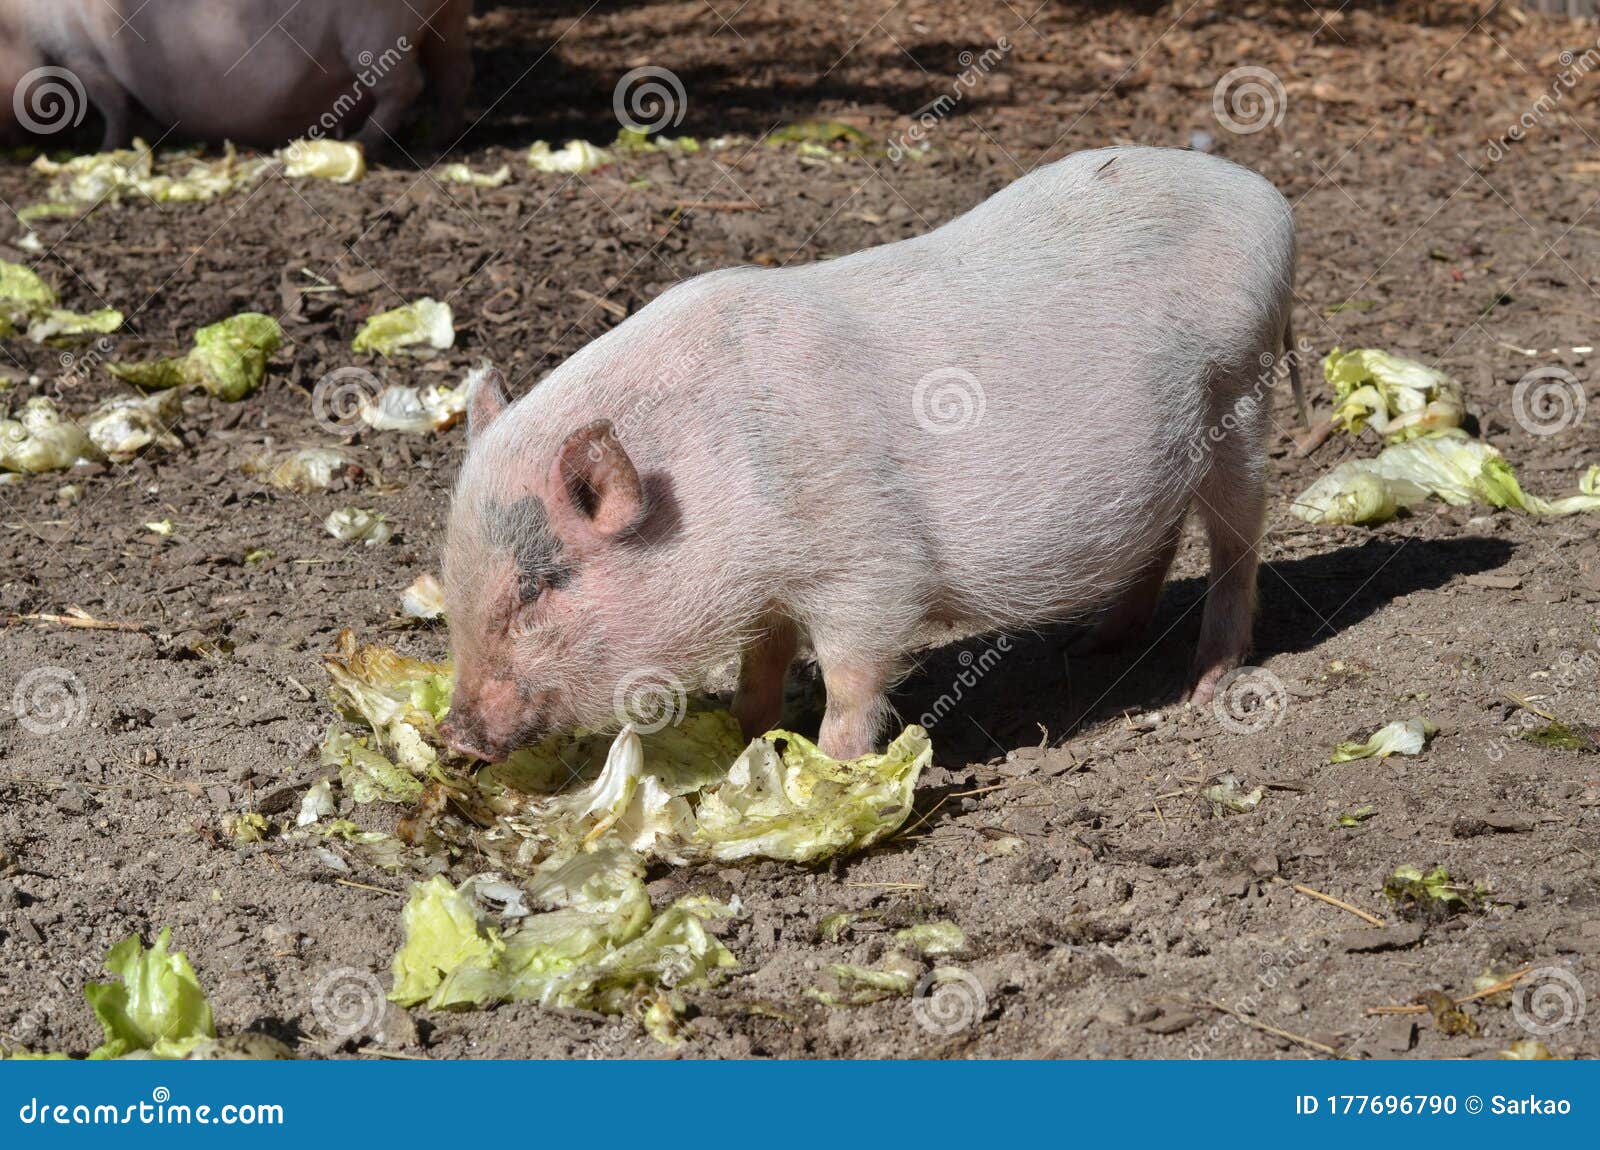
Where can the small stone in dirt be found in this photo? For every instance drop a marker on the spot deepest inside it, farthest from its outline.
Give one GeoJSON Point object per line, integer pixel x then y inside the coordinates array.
{"type": "Point", "coordinates": [1264, 866]}
{"type": "Point", "coordinates": [10, 898]}
{"type": "Point", "coordinates": [1115, 1014]}
{"type": "Point", "coordinates": [1396, 937]}
{"type": "Point", "coordinates": [1172, 1023]}
{"type": "Point", "coordinates": [72, 800]}
{"type": "Point", "coordinates": [1397, 1036]}
{"type": "Point", "coordinates": [1032, 868]}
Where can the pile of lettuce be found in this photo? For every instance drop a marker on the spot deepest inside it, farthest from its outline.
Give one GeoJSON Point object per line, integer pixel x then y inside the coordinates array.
{"type": "Point", "coordinates": [568, 826]}
{"type": "Point", "coordinates": [82, 182]}
{"type": "Point", "coordinates": [1418, 411]}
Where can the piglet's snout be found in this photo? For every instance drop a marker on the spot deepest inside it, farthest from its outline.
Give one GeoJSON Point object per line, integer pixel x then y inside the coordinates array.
{"type": "Point", "coordinates": [486, 720]}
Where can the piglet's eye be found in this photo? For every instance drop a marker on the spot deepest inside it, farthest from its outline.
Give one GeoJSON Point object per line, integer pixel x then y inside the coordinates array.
{"type": "Point", "coordinates": [525, 617]}
{"type": "Point", "coordinates": [532, 587]}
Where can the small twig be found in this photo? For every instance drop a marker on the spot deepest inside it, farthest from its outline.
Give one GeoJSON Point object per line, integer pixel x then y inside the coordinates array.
{"type": "Point", "coordinates": [1504, 984]}
{"type": "Point", "coordinates": [611, 306]}
{"type": "Point", "coordinates": [931, 812]}
{"type": "Point", "coordinates": [1528, 704]}
{"type": "Point", "coordinates": [1331, 901]}
{"type": "Point", "coordinates": [1312, 438]}
{"type": "Point", "coordinates": [717, 206]}
{"type": "Point", "coordinates": [891, 885]}
{"type": "Point", "coordinates": [77, 617]}
{"type": "Point", "coordinates": [368, 886]}
{"type": "Point", "coordinates": [1286, 1035]}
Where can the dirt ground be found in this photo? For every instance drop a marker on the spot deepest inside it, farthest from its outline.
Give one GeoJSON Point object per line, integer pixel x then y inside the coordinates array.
{"type": "Point", "coordinates": [1112, 911]}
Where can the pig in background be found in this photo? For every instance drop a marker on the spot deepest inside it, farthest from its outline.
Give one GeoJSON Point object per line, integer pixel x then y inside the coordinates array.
{"type": "Point", "coordinates": [986, 427]}
{"type": "Point", "coordinates": [257, 72]}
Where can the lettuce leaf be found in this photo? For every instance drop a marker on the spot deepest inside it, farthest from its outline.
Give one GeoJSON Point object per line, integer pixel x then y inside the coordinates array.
{"type": "Point", "coordinates": [156, 1005]}
{"type": "Point", "coordinates": [1401, 737]}
{"type": "Point", "coordinates": [418, 328]}
{"type": "Point", "coordinates": [1401, 398]}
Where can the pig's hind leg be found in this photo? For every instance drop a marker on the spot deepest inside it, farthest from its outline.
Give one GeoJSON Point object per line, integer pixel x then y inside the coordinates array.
{"type": "Point", "coordinates": [1231, 499]}
{"type": "Point", "coordinates": [858, 703]}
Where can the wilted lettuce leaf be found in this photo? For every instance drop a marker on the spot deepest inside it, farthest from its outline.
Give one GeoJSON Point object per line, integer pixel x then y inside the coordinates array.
{"type": "Point", "coordinates": [933, 939]}
{"type": "Point", "coordinates": [368, 775]}
{"type": "Point", "coordinates": [463, 174]}
{"type": "Point", "coordinates": [417, 328]}
{"type": "Point", "coordinates": [574, 157]}
{"type": "Point", "coordinates": [1400, 397]}
{"type": "Point", "coordinates": [124, 426]}
{"type": "Point", "coordinates": [1401, 737]}
{"type": "Point", "coordinates": [336, 160]}
{"type": "Point", "coordinates": [861, 985]}
{"type": "Point", "coordinates": [40, 439]}
{"type": "Point", "coordinates": [229, 359]}
{"type": "Point", "coordinates": [1448, 464]}
{"type": "Point", "coordinates": [683, 756]}
{"type": "Point", "coordinates": [1433, 894]}
{"type": "Point", "coordinates": [28, 304]}
{"type": "Point", "coordinates": [800, 805]}
{"type": "Point", "coordinates": [596, 946]}
{"type": "Point", "coordinates": [358, 525]}
{"type": "Point", "coordinates": [157, 1004]}
{"type": "Point", "coordinates": [307, 470]}
{"type": "Point", "coordinates": [1226, 795]}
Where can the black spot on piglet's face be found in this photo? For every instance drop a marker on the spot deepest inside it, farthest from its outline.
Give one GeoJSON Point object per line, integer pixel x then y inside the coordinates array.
{"type": "Point", "coordinates": [523, 529]}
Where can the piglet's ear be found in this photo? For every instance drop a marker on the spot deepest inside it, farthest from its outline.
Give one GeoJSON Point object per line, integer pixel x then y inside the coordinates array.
{"type": "Point", "coordinates": [486, 398]}
{"type": "Point", "coordinates": [595, 491]}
